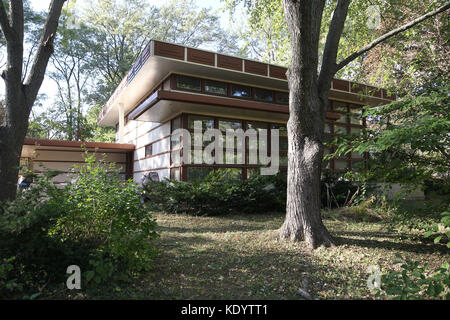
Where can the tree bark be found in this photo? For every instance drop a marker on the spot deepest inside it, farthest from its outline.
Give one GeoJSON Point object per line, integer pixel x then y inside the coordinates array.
{"type": "Point", "coordinates": [308, 100]}
{"type": "Point", "coordinates": [20, 97]}
{"type": "Point", "coordinates": [305, 127]}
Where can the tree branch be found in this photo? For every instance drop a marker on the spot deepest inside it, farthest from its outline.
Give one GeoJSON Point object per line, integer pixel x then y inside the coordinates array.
{"type": "Point", "coordinates": [45, 50]}
{"type": "Point", "coordinates": [4, 22]}
{"type": "Point", "coordinates": [329, 67]}
{"type": "Point", "coordinates": [389, 35]}
{"type": "Point", "coordinates": [17, 19]}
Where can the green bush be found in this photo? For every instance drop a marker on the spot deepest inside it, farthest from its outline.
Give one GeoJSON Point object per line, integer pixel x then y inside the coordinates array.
{"type": "Point", "coordinates": [96, 222]}
{"type": "Point", "coordinates": [338, 191]}
{"type": "Point", "coordinates": [218, 194]}
{"type": "Point", "coordinates": [414, 281]}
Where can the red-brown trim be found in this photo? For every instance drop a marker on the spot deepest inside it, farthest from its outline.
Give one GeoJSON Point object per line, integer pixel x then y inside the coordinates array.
{"type": "Point", "coordinates": [78, 144]}
{"type": "Point", "coordinates": [228, 102]}
{"type": "Point", "coordinates": [72, 161]}
{"type": "Point", "coordinates": [200, 56]}
{"type": "Point", "coordinates": [169, 50]}
{"type": "Point", "coordinates": [156, 169]}
{"type": "Point", "coordinates": [160, 139]}
{"type": "Point", "coordinates": [154, 155]}
{"type": "Point", "coordinates": [277, 72]}
{"type": "Point", "coordinates": [228, 62]}
{"type": "Point", "coordinates": [254, 67]}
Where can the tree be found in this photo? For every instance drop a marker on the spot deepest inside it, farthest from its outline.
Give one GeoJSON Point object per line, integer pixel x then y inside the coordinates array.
{"type": "Point", "coordinates": [308, 101]}
{"type": "Point", "coordinates": [407, 139]}
{"type": "Point", "coordinates": [307, 24]}
{"type": "Point", "coordinates": [21, 90]}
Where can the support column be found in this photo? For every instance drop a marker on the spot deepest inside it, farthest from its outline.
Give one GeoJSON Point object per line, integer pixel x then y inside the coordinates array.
{"type": "Point", "coordinates": [121, 122]}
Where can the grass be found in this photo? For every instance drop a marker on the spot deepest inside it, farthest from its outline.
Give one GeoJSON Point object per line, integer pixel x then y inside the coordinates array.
{"type": "Point", "coordinates": [240, 257]}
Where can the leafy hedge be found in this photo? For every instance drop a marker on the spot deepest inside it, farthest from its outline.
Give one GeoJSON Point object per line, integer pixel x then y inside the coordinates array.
{"type": "Point", "coordinates": [218, 194]}
{"type": "Point", "coordinates": [97, 222]}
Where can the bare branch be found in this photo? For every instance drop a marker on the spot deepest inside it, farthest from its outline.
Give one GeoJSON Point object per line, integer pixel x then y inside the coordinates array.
{"type": "Point", "coordinates": [389, 35]}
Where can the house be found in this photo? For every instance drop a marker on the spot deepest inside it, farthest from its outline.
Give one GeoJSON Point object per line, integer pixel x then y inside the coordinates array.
{"type": "Point", "coordinates": [172, 87]}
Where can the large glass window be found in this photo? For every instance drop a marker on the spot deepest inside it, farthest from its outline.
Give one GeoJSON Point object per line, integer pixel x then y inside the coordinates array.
{"type": "Point", "coordinates": [189, 83]}
{"type": "Point", "coordinates": [216, 87]}
{"type": "Point", "coordinates": [198, 173]}
{"type": "Point", "coordinates": [282, 97]}
{"type": "Point", "coordinates": [241, 91]}
{"type": "Point", "coordinates": [340, 106]}
{"type": "Point", "coordinates": [207, 123]}
{"type": "Point", "coordinates": [263, 95]}
{"type": "Point", "coordinates": [341, 164]}
{"type": "Point", "coordinates": [175, 174]}
{"type": "Point", "coordinates": [229, 124]}
{"type": "Point", "coordinates": [282, 129]}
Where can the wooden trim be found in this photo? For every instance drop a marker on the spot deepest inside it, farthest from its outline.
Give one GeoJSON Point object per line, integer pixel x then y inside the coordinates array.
{"type": "Point", "coordinates": [200, 56]}
{"type": "Point", "coordinates": [156, 169]}
{"type": "Point", "coordinates": [151, 130]}
{"type": "Point", "coordinates": [160, 139]}
{"type": "Point", "coordinates": [80, 151]}
{"type": "Point", "coordinates": [228, 62]}
{"type": "Point", "coordinates": [78, 144]}
{"type": "Point", "coordinates": [154, 155]}
{"type": "Point", "coordinates": [228, 102]}
{"type": "Point", "coordinates": [73, 161]}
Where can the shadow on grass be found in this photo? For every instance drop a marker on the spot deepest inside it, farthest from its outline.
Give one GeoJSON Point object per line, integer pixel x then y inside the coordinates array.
{"type": "Point", "coordinates": [222, 229]}
{"type": "Point", "coordinates": [390, 245]}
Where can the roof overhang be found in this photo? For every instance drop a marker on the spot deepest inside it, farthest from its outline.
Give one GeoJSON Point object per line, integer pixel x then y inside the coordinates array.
{"type": "Point", "coordinates": [160, 59]}
{"type": "Point", "coordinates": [164, 105]}
{"type": "Point", "coordinates": [37, 144]}
{"type": "Point", "coordinates": [157, 68]}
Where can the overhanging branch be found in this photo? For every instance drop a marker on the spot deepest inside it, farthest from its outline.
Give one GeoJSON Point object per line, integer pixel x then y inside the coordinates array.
{"type": "Point", "coordinates": [389, 35]}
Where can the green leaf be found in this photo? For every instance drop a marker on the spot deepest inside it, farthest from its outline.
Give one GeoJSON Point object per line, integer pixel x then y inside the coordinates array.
{"type": "Point", "coordinates": [89, 275]}
{"type": "Point", "coordinates": [437, 239]}
{"type": "Point", "coordinates": [428, 234]}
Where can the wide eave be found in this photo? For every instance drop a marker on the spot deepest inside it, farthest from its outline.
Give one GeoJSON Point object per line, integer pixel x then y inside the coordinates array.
{"type": "Point", "coordinates": [160, 59]}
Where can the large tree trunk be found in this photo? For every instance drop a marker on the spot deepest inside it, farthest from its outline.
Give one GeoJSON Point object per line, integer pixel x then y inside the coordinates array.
{"type": "Point", "coordinates": [11, 142]}
{"type": "Point", "coordinates": [305, 127]}
{"type": "Point", "coordinates": [20, 97]}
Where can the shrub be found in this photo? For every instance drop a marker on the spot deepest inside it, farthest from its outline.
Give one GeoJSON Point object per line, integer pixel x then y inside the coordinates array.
{"type": "Point", "coordinates": [96, 222]}
{"type": "Point", "coordinates": [218, 194]}
{"type": "Point", "coordinates": [102, 209]}
{"type": "Point", "coordinates": [336, 191]}
{"type": "Point", "coordinates": [414, 281]}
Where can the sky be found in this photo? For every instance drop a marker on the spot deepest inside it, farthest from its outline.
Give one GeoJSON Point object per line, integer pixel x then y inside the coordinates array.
{"type": "Point", "coordinates": [49, 87]}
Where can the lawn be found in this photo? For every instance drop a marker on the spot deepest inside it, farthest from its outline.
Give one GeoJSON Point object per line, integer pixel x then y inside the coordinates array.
{"type": "Point", "coordinates": [240, 257]}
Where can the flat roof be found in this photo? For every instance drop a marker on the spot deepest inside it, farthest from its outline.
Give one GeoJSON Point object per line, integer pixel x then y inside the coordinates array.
{"type": "Point", "coordinates": [160, 59]}
{"type": "Point", "coordinates": [102, 146]}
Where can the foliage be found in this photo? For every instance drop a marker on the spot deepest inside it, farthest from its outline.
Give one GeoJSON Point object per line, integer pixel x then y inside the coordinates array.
{"type": "Point", "coordinates": [218, 194]}
{"type": "Point", "coordinates": [417, 282]}
{"type": "Point", "coordinates": [336, 191]}
{"type": "Point", "coordinates": [407, 140]}
{"type": "Point", "coordinates": [442, 228]}
{"type": "Point", "coordinates": [98, 42]}
{"type": "Point", "coordinates": [103, 209]}
{"type": "Point", "coordinates": [27, 251]}
{"type": "Point", "coordinates": [96, 222]}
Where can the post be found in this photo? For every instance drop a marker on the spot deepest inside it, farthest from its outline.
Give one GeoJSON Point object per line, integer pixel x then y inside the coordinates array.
{"type": "Point", "coordinates": [121, 122]}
